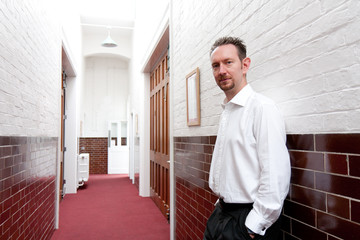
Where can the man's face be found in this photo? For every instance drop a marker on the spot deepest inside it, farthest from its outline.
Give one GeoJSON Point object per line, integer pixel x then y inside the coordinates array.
{"type": "Point", "coordinates": [229, 71]}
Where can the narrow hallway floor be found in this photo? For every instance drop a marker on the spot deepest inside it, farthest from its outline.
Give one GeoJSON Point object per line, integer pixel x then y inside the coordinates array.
{"type": "Point", "coordinates": [109, 207]}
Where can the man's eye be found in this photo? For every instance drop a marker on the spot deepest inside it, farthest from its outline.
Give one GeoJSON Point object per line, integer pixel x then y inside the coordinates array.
{"type": "Point", "coordinates": [229, 62]}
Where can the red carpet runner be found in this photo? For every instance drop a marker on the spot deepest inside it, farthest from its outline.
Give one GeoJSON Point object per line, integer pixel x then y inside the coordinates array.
{"type": "Point", "coordinates": [108, 207]}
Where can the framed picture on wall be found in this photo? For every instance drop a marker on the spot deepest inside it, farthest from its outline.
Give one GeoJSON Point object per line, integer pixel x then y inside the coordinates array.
{"type": "Point", "coordinates": [193, 98]}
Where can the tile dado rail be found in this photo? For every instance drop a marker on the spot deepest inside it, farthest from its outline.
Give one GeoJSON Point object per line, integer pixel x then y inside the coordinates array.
{"type": "Point", "coordinates": [324, 198]}
{"type": "Point", "coordinates": [27, 187]}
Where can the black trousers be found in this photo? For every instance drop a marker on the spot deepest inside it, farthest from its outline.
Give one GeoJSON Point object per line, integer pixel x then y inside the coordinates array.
{"type": "Point", "coordinates": [227, 222]}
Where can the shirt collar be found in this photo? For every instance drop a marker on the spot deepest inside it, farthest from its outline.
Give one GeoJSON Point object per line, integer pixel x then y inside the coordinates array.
{"type": "Point", "coordinates": [241, 97]}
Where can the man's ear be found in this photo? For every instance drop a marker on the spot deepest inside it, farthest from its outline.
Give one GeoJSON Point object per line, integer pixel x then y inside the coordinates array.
{"type": "Point", "coordinates": [246, 65]}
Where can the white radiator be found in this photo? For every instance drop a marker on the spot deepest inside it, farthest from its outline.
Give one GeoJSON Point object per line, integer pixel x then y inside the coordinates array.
{"type": "Point", "coordinates": [83, 168]}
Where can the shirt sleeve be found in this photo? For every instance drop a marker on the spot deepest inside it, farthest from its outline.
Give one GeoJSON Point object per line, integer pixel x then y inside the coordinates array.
{"type": "Point", "coordinates": [273, 156]}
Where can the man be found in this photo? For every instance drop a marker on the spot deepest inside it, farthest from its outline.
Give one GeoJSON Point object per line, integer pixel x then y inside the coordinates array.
{"type": "Point", "coordinates": [250, 168]}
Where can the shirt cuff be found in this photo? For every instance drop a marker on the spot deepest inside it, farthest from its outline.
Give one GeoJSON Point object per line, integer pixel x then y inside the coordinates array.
{"type": "Point", "coordinates": [256, 223]}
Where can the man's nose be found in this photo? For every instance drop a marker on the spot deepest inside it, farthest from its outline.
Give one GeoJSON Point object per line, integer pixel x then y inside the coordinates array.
{"type": "Point", "coordinates": [222, 69]}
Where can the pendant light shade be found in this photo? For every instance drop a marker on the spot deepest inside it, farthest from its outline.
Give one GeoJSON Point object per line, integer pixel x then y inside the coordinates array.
{"type": "Point", "coordinates": [109, 42]}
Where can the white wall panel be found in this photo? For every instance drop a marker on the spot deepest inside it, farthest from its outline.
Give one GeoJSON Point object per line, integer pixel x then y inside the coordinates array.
{"type": "Point", "coordinates": [105, 94]}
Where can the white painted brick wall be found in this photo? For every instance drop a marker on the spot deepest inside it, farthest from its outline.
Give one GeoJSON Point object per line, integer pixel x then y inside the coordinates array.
{"type": "Point", "coordinates": [305, 56]}
{"type": "Point", "coordinates": [30, 68]}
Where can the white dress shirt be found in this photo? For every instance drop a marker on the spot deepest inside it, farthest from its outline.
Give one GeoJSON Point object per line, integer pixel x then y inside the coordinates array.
{"type": "Point", "coordinates": [250, 162]}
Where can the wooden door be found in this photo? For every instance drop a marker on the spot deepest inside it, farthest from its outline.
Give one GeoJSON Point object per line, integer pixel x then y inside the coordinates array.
{"type": "Point", "coordinates": [159, 136]}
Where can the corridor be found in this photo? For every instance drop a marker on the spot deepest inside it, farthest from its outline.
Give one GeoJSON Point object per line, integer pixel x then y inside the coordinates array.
{"type": "Point", "coordinates": [133, 80]}
{"type": "Point", "coordinates": [109, 207]}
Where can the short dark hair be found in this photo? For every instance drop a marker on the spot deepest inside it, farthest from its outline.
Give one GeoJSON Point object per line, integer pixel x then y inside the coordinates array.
{"type": "Point", "coordinates": [237, 42]}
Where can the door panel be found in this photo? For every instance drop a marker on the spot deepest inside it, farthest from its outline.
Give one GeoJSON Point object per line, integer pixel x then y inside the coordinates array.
{"type": "Point", "coordinates": [118, 150]}
{"type": "Point", "coordinates": [159, 136]}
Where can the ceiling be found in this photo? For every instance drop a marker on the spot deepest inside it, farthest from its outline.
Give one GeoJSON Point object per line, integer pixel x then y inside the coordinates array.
{"type": "Point", "coordinates": [96, 15]}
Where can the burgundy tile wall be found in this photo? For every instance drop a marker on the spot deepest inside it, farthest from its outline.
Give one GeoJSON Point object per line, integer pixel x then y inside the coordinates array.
{"type": "Point", "coordinates": [27, 187]}
{"type": "Point", "coordinates": [323, 202]}
{"type": "Point", "coordinates": [194, 199]}
{"type": "Point", "coordinates": [98, 151]}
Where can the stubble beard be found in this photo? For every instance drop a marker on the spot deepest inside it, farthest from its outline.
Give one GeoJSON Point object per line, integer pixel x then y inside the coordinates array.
{"type": "Point", "coordinates": [227, 86]}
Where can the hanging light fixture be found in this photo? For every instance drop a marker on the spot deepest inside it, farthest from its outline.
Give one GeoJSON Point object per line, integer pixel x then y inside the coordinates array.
{"type": "Point", "coordinates": [108, 42]}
